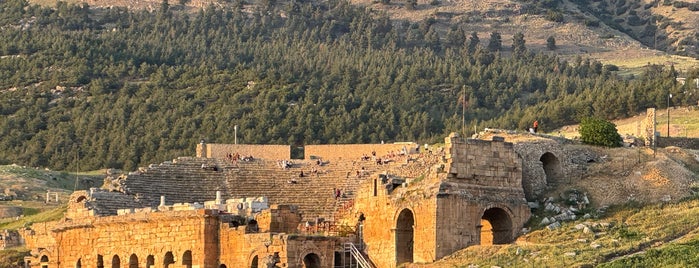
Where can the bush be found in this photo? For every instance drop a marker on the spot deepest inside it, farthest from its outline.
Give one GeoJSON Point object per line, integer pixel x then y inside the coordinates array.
{"type": "Point", "coordinates": [596, 131]}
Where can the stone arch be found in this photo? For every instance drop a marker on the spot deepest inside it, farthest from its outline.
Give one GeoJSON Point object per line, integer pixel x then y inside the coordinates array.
{"type": "Point", "coordinates": [79, 263]}
{"type": "Point", "coordinates": [405, 236]}
{"type": "Point", "coordinates": [116, 262]}
{"type": "Point", "coordinates": [187, 259]}
{"type": "Point", "coordinates": [255, 262]}
{"type": "Point", "coordinates": [100, 261]}
{"type": "Point", "coordinates": [168, 259]}
{"type": "Point", "coordinates": [496, 227]}
{"type": "Point", "coordinates": [133, 261]}
{"type": "Point", "coordinates": [150, 261]}
{"type": "Point", "coordinates": [44, 261]}
{"type": "Point", "coordinates": [80, 199]}
{"type": "Point", "coordinates": [311, 260]}
{"type": "Point", "coordinates": [552, 168]}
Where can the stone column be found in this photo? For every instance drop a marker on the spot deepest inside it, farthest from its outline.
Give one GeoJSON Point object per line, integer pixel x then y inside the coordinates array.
{"type": "Point", "coordinates": [649, 127]}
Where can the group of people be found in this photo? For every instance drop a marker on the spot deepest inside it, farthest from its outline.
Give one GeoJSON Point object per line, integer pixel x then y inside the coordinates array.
{"type": "Point", "coordinates": [235, 157]}
{"type": "Point", "coordinates": [284, 164]}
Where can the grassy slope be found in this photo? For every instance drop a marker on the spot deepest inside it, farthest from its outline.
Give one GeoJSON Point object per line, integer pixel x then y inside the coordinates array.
{"type": "Point", "coordinates": [620, 237]}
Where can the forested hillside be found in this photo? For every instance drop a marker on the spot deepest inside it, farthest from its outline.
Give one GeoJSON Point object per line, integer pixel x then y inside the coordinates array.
{"type": "Point", "coordinates": [84, 88]}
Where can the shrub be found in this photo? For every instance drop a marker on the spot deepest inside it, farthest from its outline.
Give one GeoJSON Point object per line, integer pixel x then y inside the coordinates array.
{"type": "Point", "coordinates": [596, 131]}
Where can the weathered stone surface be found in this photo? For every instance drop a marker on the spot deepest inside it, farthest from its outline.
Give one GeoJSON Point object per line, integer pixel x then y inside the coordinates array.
{"type": "Point", "coordinates": [413, 208]}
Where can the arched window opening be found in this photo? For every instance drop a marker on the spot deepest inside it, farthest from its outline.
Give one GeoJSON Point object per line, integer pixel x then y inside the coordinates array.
{"type": "Point", "coordinates": [187, 259]}
{"type": "Point", "coordinates": [150, 261]}
{"type": "Point", "coordinates": [311, 261]}
{"type": "Point", "coordinates": [116, 262]}
{"type": "Point", "coordinates": [133, 261]}
{"type": "Point", "coordinates": [169, 259]}
{"type": "Point", "coordinates": [44, 261]}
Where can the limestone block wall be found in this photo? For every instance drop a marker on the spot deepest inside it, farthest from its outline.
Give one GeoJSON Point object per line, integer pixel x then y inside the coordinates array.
{"type": "Point", "coordinates": [320, 250]}
{"type": "Point", "coordinates": [239, 249]}
{"type": "Point", "coordinates": [549, 163]}
{"type": "Point", "coordinates": [380, 226]}
{"type": "Point", "coordinates": [356, 151]}
{"type": "Point", "coordinates": [120, 239]}
{"type": "Point", "coordinates": [484, 163]}
{"type": "Point", "coordinates": [459, 217]}
{"type": "Point", "coordinates": [217, 150]}
{"type": "Point", "coordinates": [279, 219]}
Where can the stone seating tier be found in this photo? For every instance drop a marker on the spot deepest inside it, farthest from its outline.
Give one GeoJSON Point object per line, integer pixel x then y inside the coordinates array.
{"type": "Point", "coordinates": [184, 181]}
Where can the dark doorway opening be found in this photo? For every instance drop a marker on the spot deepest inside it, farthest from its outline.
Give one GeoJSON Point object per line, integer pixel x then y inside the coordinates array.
{"type": "Point", "coordinates": [405, 235]}
{"type": "Point", "coordinates": [496, 227]}
{"type": "Point", "coordinates": [311, 261]}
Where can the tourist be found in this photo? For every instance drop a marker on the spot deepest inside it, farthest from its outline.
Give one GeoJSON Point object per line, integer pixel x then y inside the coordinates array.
{"type": "Point", "coordinates": [536, 125]}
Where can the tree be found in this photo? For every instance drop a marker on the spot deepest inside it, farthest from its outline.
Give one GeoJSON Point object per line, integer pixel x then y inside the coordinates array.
{"type": "Point", "coordinates": [518, 42]}
{"type": "Point", "coordinates": [551, 43]}
{"type": "Point", "coordinates": [495, 43]}
{"type": "Point", "coordinates": [473, 42]}
{"type": "Point", "coordinates": [596, 131]}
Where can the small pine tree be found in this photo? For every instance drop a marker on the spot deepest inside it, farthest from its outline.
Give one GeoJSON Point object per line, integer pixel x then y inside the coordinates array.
{"type": "Point", "coordinates": [495, 43]}
{"type": "Point", "coordinates": [551, 43]}
{"type": "Point", "coordinates": [596, 131]}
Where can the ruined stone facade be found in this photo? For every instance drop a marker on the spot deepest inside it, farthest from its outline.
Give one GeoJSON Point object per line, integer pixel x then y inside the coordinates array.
{"type": "Point", "coordinates": [475, 196]}
{"type": "Point", "coordinates": [411, 208]}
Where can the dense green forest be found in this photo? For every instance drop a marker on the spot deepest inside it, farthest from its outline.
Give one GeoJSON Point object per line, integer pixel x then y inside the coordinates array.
{"type": "Point", "coordinates": [84, 88]}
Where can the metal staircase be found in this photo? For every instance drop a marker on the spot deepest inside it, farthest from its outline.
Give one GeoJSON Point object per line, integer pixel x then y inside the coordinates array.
{"type": "Point", "coordinates": [353, 256]}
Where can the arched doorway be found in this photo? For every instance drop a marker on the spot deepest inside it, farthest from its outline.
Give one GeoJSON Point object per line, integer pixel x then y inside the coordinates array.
{"type": "Point", "coordinates": [116, 262]}
{"type": "Point", "coordinates": [311, 260]}
{"type": "Point", "coordinates": [496, 227]}
{"type": "Point", "coordinates": [169, 259]}
{"type": "Point", "coordinates": [79, 264]}
{"type": "Point", "coordinates": [133, 261]}
{"type": "Point", "coordinates": [405, 236]}
{"type": "Point", "coordinates": [187, 259]}
{"type": "Point", "coordinates": [552, 168]}
{"type": "Point", "coordinates": [222, 266]}
{"type": "Point", "coordinates": [44, 261]}
{"type": "Point", "coordinates": [254, 262]}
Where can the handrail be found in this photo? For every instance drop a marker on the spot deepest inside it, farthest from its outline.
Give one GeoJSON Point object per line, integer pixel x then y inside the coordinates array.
{"type": "Point", "coordinates": [358, 256]}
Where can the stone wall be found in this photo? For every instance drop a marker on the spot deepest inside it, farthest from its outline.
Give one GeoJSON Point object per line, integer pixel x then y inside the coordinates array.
{"type": "Point", "coordinates": [9, 239]}
{"type": "Point", "coordinates": [279, 219]}
{"type": "Point", "coordinates": [687, 143]}
{"type": "Point", "coordinates": [548, 163]}
{"type": "Point", "coordinates": [120, 239]}
{"type": "Point", "coordinates": [216, 150]}
{"type": "Point", "coordinates": [379, 228]}
{"type": "Point", "coordinates": [356, 151]}
{"type": "Point", "coordinates": [424, 220]}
